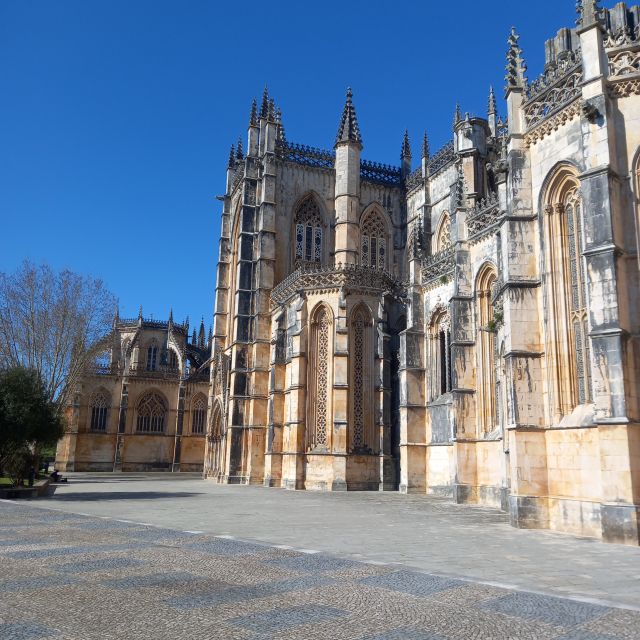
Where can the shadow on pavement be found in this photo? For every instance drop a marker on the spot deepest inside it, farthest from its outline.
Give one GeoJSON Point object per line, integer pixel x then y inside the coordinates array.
{"type": "Point", "coordinates": [120, 495]}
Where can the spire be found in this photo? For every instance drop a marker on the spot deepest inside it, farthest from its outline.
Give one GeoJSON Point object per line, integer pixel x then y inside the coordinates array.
{"type": "Point", "coordinates": [201, 334]}
{"type": "Point", "coordinates": [406, 146]}
{"type": "Point", "coordinates": [588, 12]}
{"type": "Point", "coordinates": [186, 326]}
{"type": "Point", "coordinates": [232, 157]}
{"type": "Point", "coordinates": [140, 316]}
{"type": "Point", "coordinates": [348, 131]}
{"type": "Point", "coordinates": [264, 107]}
{"type": "Point", "coordinates": [516, 67]}
{"type": "Point", "coordinates": [116, 315]}
{"type": "Point", "coordinates": [239, 151]}
{"type": "Point", "coordinates": [170, 323]}
{"type": "Point", "coordinates": [210, 336]}
{"type": "Point", "coordinates": [271, 112]}
{"type": "Point", "coordinates": [492, 102]}
{"type": "Point", "coordinates": [425, 146]}
{"type": "Point", "coordinates": [194, 340]}
{"type": "Point", "coordinates": [457, 116]}
{"type": "Point", "coordinates": [253, 116]}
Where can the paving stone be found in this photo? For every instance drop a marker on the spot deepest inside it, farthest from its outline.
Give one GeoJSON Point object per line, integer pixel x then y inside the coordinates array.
{"type": "Point", "coordinates": [405, 633]}
{"type": "Point", "coordinates": [102, 564]}
{"type": "Point", "coordinates": [417, 584]}
{"type": "Point", "coordinates": [278, 619]}
{"type": "Point", "coordinates": [25, 631]}
{"type": "Point", "coordinates": [42, 582]}
{"type": "Point", "coordinates": [314, 562]}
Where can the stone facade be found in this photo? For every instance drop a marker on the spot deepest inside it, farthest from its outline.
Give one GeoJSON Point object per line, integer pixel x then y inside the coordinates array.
{"type": "Point", "coordinates": [468, 328]}
{"type": "Point", "coordinates": [145, 408]}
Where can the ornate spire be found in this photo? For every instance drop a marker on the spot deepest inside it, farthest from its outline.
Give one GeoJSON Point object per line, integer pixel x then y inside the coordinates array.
{"type": "Point", "coordinates": [239, 151]}
{"type": "Point", "coordinates": [210, 336]}
{"type": "Point", "coordinates": [406, 146]}
{"type": "Point", "coordinates": [271, 113]}
{"type": "Point", "coordinates": [170, 323]}
{"type": "Point", "coordinates": [194, 339]}
{"type": "Point", "coordinates": [140, 315]}
{"type": "Point", "coordinates": [232, 157]}
{"type": "Point", "coordinates": [425, 146]}
{"type": "Point", "coordinates": [492, 102]}
{"type": "Point", "coordinates": [349, 131]}
{"type": "Point", "coordinates": [201, 334]}
{"type": "Point", "coordinates": [516, 67]}
{"type": "Point", "coordinates": [253, 116]}
{"type": "Point", "coordinates": [264, 108]}
{"type": "Point", "coordinates": [457, 116]}
{"type": "Point", "coordinates": [588, 12]}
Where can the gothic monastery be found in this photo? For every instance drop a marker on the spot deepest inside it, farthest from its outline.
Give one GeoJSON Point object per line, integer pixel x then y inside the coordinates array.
{"type": "Point", "coordinates": [468, 328]}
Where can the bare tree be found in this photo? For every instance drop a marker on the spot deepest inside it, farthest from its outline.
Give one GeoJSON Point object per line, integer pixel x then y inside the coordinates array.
{"type": "Point", "coordinates": [53, 322]}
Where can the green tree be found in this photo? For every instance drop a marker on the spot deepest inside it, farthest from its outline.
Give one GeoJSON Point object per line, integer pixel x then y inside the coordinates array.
{"type": "Point", "coordinates": [29, 420]}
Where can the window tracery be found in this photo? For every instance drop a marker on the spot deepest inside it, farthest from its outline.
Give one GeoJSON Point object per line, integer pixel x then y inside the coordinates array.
{"type": "Point", "coordinates": [198, 415]}
{"type": "Point", "coordinates": [151, 414]}
{"type": "Point", "coordinates": [486, 350]}
{"type": "Point", "coordinates": [308, 229]}
{"type": "Point", "coordinates": [440, 354]}
{"type": "Point", "coordinates": [320, 372]}
{"type": "Point", "coordinates": [99, 411]}
{"type": "Point", "coordinates": [443, 237]}
{"type": "Point", "coordinates": [373, 242]}
{"type": "Point", "coordinates": [152, 356]}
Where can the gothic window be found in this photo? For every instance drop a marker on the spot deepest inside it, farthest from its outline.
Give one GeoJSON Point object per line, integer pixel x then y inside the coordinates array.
{"type": "Point", "coordinates": [443, 236]}
{"type": "Point", "coordinates": [362, 435]}
{"type": "Point", "coordinates": [152, 412]}
{"type": "Point", "coordinates": [198, 415]}
{"type": "Point", "coordinates": [99, 411]}
{"type": "Point", "coordinates": [173, 359]}
{"type": "Point", "coordinates": [152, 356]}
{"type": "Point", "coordinates": [486, 350]}
{"type": "Point", "coordinates": [440, 374]}
{"type": "Point", "coordinates": [567, 329]}
{"type": "Point", "coordinates": [373, 241]}
{"type": "Point", "coordinates": [320, 377]}
{"type": "Point", "coordinates": [308, 232]}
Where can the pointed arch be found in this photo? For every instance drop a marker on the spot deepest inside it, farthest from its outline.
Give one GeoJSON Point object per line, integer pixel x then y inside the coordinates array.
{"type": "Point", "coordinates": [566, 326]}
{"type": "Point", "coordinates": [442, 236]}
{"type": "Point", "coordinates": [440, 378]}
{"type": "Point", "coordinates": [361, 378]}
{"type": "Point", "coordinates": [486, 331]}
{"type": "Point", "coordinates": [152, 353]}
{"type": "Point", "coordinates": [99, 410]}
{"type": "Point", "coordinates": [374, 237]}
{"type": "Point", "coordinates": [198, 414]}
{"type": "Point", "coordinates": [151, 413]}
{"type": "Point", "coordinates": [320, 378]}
{"type": "Point", "coordinates": [309, 231]}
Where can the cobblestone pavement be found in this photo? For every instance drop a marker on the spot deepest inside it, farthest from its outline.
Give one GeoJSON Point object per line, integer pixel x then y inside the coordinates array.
{"type": "Point", "coordinates": [70, 576]}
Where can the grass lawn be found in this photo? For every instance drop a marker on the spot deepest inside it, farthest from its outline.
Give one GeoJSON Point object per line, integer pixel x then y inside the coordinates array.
{"type": "Point", "coordinates": [4, 481]}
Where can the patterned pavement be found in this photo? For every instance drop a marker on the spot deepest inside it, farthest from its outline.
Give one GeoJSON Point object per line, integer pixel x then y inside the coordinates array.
{"type": "Point", "coordinates": [66, 576]}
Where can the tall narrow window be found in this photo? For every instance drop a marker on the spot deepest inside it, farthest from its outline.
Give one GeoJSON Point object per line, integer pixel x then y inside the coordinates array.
{"type": "Point", "coordinates": [152, 356]}
{"type": "Point", "coordinates": [440, 374]}
{"type": "Point", "coordinates": [486, 350]}
{"type": "Point", "coordinates": [319, 375]}
{"type": "Point", "coordinates": [308, 230]}
{"type": "Point", "coordinates": [173, 359]}
{"type": "Point", "coordinates": [373, 241]}
{"type": "Point", "coordinates": [362, 427]}
{"type": "Point", "coordinates": [566, 326]}
{"type": "Point", "coordinates": [151, 414]}
{"type": "Point", "coordinates": [99, 411]}
{"type": "Point", "coordinates": [198, 415]}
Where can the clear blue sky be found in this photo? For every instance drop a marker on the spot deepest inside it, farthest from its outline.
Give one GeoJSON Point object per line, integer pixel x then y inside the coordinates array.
{"type": "Point", "coordinates": [116, 116]}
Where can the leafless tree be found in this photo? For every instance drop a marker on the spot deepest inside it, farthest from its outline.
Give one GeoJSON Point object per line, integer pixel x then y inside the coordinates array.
{"type": "Point", "coordinates": [54, 322]}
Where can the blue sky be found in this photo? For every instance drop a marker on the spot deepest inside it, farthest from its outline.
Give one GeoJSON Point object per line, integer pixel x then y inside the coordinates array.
{"type": "Point", "coordinates": [117, 116]}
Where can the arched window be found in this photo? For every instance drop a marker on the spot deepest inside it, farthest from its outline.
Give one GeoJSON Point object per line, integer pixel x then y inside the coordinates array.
{"type": "Point", "coordinates": [151, 413]}
{"type": "Point", "coordinates": [308, 229]}
{"type": "Point", "coordinates": [152, 356]}
{"type": "Point", "coordinates": [373, 241]}
{"type": "Point", "coordinates": [320, 358]}
{"type": "Point", "coordinates": [486, 350]}
{"type": "Point", "coordinates": [443, 236]}
{"type": "Point", "coordinates": [440, 354]}
{"type": "Point", "coordinates": [567, 330]}
{"type": "Point", "coordinates": [362, 432]}
{"type": "Point", "coordinates": [172, 360]}
{"type": "Point", "coordinates": [198, 414]}
{"type": "Point", "coordinates": [99, 411]}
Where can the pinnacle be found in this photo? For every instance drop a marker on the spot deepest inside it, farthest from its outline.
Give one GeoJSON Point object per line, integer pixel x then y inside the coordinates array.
{"type": "Point", "coordinates": [516, 67]}
{"type": "Point", "coordinates": [264, 107]}
{"type": "Point", "coordinates": [349, 131]}
{"type": "Point", "coordinates": [425, 146]}
{"type": "Point", "coordinates": [406, 146]}
{"type": "Point", "coordinates": [492, 102]}
{"type": "Point", "coordinates": [253, 117]}
{"type": "Point", "coordinates": [457, 117]}
{"type": "Point", "coordinates": [239, 151]}
{"type": "Point", "coordinates": [232, 157]}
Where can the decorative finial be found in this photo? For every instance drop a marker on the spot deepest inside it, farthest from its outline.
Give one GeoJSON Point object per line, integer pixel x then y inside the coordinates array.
{"type": "Point", "coordinates": [253, 116]}
{"type": "Point", "coordinates": [425, 146]}
{"type": "Point", "coordinates": [239, 151]}
{"type": "Point", "coordinates": [493, 109]}
{"type": "Point", "coordinates": [349, 131]}
{"type": "Point", "coordinates": [264, 107]}
{"type": "Point", "coordinates": [406, 146]}
{"type": "Point", "coordinates": [516, 67]}
{"type": "Point", "coordinates": [232, 157]}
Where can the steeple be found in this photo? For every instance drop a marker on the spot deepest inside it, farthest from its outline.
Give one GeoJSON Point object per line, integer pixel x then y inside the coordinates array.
{"type": "Point", "coordinates": [349, 131]}
{"type": "Point", "coordinates": [588, 12]}
{"type": "Point", "coordinates": [264, 107]}
{"type": "Point", "coordinates": [425, 146]}
{"type": "Point", "coordinates": [516, 67]}
{"type": "Point", "coordinates": [253, 116]}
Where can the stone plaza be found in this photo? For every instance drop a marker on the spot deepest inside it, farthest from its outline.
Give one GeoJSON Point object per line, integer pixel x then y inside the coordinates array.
{"type": "Point", "coordinates": [130, 556]}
